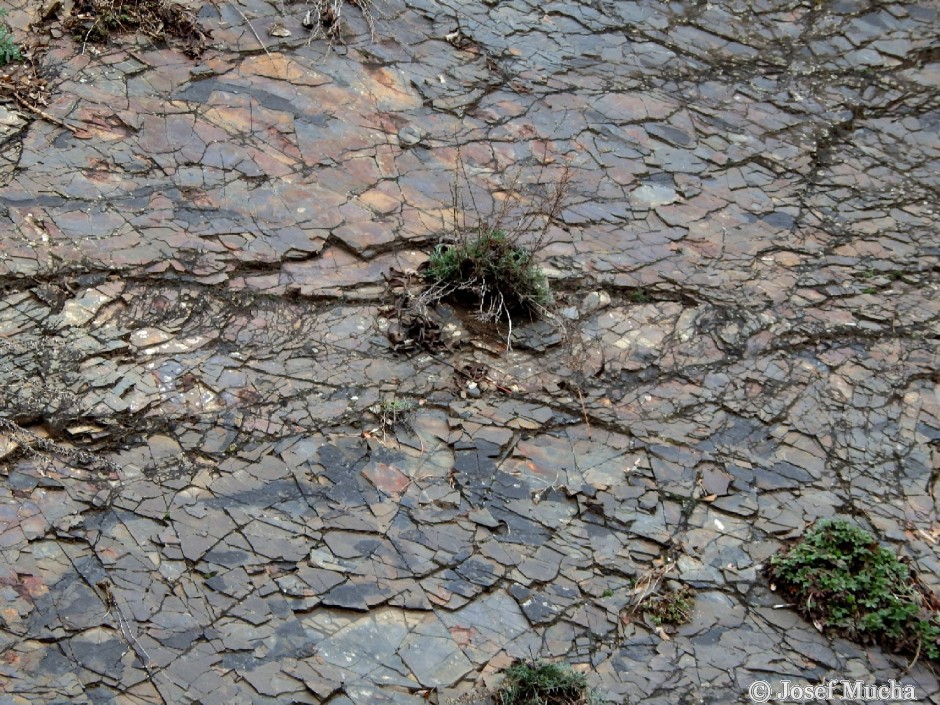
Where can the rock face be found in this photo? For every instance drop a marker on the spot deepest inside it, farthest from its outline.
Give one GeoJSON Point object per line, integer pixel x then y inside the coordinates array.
{"type": "Point", "coordinates": [213, 490]}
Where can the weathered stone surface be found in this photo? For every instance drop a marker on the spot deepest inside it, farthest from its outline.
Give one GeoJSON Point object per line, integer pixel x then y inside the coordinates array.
{"type": "Point", "coordinates": [201, 497]}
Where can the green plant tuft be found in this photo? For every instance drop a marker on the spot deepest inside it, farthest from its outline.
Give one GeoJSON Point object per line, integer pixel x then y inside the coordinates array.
{"type": "Point", "coordinates": [393, 411]}
{"type": "Point", "coordinates": [540, 683]}
{"type": "Point", "coordinates": [9, 51]}
{"type": "Point", "coordinates": [842, 579]}
{"type": "Point", "coordinates": [672, 606]}
{"type": "Point", "coordinates": [486, 260]}
{"type": "Point", "coordinates": [493, 272]}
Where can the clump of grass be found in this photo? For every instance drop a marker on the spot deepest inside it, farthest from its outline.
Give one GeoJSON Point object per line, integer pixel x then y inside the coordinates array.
{"type": "Point", "coordinates": [488, 260]}
{"type": "Point", "coordinates": [499, 276]}
{"type": "Point", "coordinates": [671, 606]}
{"type": "Point", "coordinates": [540, 683]}
{"type": "Point", "coordinates": [9, 50]}
{"type": "Point", "coordinates": [842, 579]}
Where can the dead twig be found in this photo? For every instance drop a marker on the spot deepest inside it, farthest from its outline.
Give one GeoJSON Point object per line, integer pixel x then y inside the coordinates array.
{"type": "Point", "coordinates": [252, 28]}
{"type": "Point", "coordinates": [39, 112]}
{"type": "Point", "coordinates": [584, 412]}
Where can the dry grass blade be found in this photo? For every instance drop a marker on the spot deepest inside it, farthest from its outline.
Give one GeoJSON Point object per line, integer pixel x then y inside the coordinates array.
{"type": "Point", "coordinates": [324, 18]}
{"type": "Point", "coordinates": [252, 28]}
{"type": "Point", "coordinates": [647, 585]}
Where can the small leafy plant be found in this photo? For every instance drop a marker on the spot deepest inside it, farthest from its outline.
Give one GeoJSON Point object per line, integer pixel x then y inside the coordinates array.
{"type": "Point", "coordinates": [392, 412]}
{"type": "Point", "coordinates": [541, 683]}
{"type": "Point", "coordinates": [842, 579]}
{"type": "Point", "coordinates": [671, 606]}
{"type": "Point", "coordinates": [663, 604]}
{"type": "Point", "coordinates": [9, 51]}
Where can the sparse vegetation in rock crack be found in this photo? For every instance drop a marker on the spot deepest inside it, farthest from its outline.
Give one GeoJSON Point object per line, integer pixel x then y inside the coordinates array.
{"type": "Point", "coordinates": [662, 603]}
{"type": "Point", "coordinates": [488, 262]}
{"type": "Point", "coordinates": [672, 606]}
{"type": "Point", "coordinates": [491, 272]}
{"type": "Point", "coordinates": [393, 412]}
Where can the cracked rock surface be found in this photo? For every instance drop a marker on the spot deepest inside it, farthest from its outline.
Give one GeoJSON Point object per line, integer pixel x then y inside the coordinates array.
{"type": "Point", "coordinates": [205, 497]}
